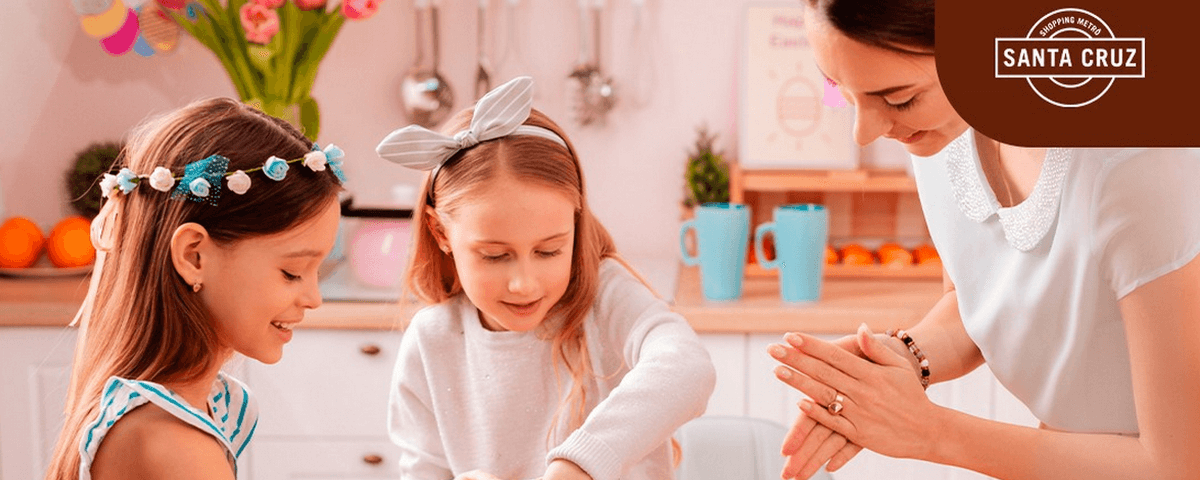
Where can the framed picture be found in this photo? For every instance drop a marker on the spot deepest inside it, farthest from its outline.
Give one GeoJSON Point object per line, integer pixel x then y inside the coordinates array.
{"type": "Point", "coordinates": [789, 116]}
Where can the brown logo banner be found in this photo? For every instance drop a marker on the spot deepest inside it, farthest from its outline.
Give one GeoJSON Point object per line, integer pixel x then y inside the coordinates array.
{"type": "Point", "coordinates": [1092, 73]}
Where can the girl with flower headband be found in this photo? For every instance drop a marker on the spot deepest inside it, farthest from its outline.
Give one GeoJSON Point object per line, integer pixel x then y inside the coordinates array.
{"type": "Point", "coordinates": [208, 244]}
{"type": "Point", "coordinates": [543, 354]}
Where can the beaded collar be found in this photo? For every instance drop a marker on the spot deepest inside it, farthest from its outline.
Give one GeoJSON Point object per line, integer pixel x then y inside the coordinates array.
{"type": "Point", "coordinates": [1024, 224]}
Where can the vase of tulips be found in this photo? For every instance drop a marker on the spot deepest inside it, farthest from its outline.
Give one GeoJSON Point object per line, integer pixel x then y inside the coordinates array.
{"type": "Point", "coordinates": [271, 49]}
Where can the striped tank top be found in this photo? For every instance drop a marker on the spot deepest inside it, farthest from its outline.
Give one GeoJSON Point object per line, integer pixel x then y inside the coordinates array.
{"type": "Point", "coordinates": [231, 415]}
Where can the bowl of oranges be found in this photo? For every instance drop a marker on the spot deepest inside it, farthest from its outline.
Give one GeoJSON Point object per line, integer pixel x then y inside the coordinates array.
{"type": "Point", "coordinates": [27, 252]}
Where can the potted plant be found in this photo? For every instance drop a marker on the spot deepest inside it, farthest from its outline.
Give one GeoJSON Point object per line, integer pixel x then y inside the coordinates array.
{"type": "Point", "coordinates": [90, 163]}
{"type": "Point", "coordinates": [706, 178]}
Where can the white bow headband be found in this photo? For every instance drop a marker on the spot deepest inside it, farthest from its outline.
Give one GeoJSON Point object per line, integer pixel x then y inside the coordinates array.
{"type": "Point", "coordinates": [498, 114]}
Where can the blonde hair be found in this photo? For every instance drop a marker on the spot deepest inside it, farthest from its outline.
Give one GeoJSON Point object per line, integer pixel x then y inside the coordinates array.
{"type": "Point", "coordinates": [431, 274]}
{"type": "Point", "coordinates": [146, 323]}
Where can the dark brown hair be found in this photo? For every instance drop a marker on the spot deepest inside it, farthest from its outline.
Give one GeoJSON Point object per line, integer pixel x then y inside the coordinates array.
{"type": "Point", "coordinates": [145, 322]}
{"type": "Point", "coordinates": [904, 26]}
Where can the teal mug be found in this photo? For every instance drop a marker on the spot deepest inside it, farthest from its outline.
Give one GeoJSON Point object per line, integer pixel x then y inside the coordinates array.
{"type": "Point", "coordinates": [722, 235]}
{"type": "Point", "coordinates": [801, 232]}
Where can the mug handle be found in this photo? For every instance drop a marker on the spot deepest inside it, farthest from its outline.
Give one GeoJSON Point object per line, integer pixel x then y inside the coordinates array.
{"type": "Point", "coordinates": [759, 234]}
{"type": "Point", "coordinates": [683, 229]}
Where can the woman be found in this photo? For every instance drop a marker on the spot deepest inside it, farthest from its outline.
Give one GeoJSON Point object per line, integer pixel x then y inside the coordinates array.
{"type": "Point", "coordinates": [1072, 272]}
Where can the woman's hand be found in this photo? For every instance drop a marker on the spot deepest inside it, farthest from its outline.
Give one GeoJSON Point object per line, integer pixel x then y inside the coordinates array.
{"type": "Point", "coordinates": [884, 407]}
{"type": "Point", "coordinates": [562, 469]}
{"type": "Point", "coordinates": [809, 445]}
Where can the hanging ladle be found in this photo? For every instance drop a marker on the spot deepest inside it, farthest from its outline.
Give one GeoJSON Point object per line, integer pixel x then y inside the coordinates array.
{"type": "Point", "coordinates": [483, 77]}
{"type": "Point", "coordinates": [426, 96]}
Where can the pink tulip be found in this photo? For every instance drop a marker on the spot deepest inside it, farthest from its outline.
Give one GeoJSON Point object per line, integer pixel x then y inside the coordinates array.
{"type": "Point", "coordinates": [269, 3]}
{"type": "Point", "coordinates": [261, 23]}
{"type": "Point", "coordinates": [310, 4]}
{"type": "Point", "coordinates": [360, 9]}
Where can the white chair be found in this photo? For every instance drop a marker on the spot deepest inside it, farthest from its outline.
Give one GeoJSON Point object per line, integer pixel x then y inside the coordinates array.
{"type": "Point", "coordinates": [732, 448]}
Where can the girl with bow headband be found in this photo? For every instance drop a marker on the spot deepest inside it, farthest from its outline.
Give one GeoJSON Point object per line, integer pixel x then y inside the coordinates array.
{"type": "Point", "coordinates": [542, 353]}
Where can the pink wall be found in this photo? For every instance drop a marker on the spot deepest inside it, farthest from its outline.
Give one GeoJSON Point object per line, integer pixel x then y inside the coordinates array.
{"type": "Point", "coordinates": [60, 92]}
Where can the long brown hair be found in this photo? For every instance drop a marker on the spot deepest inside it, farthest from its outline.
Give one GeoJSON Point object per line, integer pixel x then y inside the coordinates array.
{"type": "Point", "coordinates": [145, 322]}
{"type": "Point", "coordinates": [431, 275]}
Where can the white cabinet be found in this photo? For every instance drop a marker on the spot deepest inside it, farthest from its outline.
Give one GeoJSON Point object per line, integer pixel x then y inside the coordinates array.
{"type": "Point", "coordinates": [323, 407]}
{"type": "Point", "coordinates": [746, 386]}
{"type": "Point", "coordinates": [35, 372]}
{"type": "Point", "coordinates": [279, 459]}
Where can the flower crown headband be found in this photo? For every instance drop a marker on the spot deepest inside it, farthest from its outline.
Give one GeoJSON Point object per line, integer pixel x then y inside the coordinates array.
{"type": "Point", "coordinates": [499, 113]}
{"type": "Point", "coordinates": [201, 180]}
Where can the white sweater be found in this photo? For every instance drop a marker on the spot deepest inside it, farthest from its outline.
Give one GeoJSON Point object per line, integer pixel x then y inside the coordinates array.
{"type": "Point", "coordinates": [465, 398]}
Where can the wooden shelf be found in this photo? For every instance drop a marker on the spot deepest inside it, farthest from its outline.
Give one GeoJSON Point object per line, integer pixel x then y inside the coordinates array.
{"type": "Point", "coordinates": [864, 180]}
{"type": "Point", "coordinates": [931, 271]}
{"type": "Point", "coordinates": [844, 304]}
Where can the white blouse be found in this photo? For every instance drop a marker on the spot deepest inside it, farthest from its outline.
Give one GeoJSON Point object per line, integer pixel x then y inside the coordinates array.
{"type": "Point", "coordinates": [1038, 283]}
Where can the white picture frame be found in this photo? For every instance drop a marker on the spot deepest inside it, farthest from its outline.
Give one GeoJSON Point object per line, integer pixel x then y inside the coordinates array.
{"type": "Point", "coordinates": [786, 120]}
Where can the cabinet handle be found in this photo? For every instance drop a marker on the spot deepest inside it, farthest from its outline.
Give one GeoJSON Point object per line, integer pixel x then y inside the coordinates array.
{"type": "Point", "coordinates": [369, 349]}
{"type": "Point", "coordinates": [372, 459]}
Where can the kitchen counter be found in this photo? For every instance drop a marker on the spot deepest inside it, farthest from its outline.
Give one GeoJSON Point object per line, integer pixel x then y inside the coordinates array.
{"type": "Point", "coordinates": [844, 304]}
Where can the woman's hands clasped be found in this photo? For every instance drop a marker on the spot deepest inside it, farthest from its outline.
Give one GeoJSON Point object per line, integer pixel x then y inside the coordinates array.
{"type": "Point", "coordinates": [880, 405]}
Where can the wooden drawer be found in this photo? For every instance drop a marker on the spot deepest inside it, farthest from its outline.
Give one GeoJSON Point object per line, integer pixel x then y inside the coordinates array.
{"type": "Point", "coordinates": [329, 383]}
{"type": "Point", "coordinates": [279, 459]}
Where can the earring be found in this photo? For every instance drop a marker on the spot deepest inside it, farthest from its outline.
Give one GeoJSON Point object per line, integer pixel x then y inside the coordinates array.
{"type": "Point", "coordinates": [196, 287]}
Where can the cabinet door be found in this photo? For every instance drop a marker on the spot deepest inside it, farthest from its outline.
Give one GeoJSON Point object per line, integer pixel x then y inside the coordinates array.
{"type": "Point", "coordinates": [330, 383]}
{"type": "Point", "coordinates": [279, 459]}
{"type": "Point", "coordinates": [35, 371]}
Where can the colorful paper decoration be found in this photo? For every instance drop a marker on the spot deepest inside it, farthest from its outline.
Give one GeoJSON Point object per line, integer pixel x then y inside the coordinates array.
{"type": "Point", "coordinates": [137, 25]}
{"type": "Point", "coordinates": [120, 42]}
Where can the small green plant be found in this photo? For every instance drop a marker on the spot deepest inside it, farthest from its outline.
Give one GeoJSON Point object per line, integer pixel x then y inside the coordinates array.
{"type": "Point", "coordinates": [707, 175]}
{"type": "Point", "coordinates": [90, 163]}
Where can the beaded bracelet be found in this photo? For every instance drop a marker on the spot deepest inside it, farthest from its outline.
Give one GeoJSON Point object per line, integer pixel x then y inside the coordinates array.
{"type": "Point", "coordinates": [922, 362]}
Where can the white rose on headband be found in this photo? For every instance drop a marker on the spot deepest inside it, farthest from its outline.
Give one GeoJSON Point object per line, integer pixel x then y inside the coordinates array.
{"type": "Point", "coordinates": [315, 161]}
{"type": "Point", "coordinates": [161, 179]}
{"type": "Point", "coordinates": [239, 182]}
{"type": "Point", "coordinates": [108, 184]}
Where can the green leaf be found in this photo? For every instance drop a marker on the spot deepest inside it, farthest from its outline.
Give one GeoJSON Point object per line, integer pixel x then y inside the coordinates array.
{"type": "Point", "coordinates": [310, 118]}
{"type": "Point", "coordinates": [317, 48]}
{"type": "Point", "coordinates": [285, 59]}
{"type": "Point", "coordinates": [260, 58]}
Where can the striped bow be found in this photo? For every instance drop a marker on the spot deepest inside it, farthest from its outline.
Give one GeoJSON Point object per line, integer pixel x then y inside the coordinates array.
{"type": "Point", "coordinates": [499, 113]}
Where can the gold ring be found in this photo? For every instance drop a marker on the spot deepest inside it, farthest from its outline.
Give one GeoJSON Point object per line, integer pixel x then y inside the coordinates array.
{"type": "Point", "coordinates": [835, 407]}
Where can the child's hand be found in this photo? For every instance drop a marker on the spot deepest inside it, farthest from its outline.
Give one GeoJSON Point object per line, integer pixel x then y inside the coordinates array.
{"type": "Point", "coordinates": [477, 475]}
{"type": "Point", "coordinates": [561, 469]}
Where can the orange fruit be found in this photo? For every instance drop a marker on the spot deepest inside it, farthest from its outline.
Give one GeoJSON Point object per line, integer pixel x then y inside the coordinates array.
{"type": "Point", "coordinates": [831, 256]}
{"type": "Point", "coordinates": [892, 254]}
{"type": "Point", "coordinates": [855, 254]}
{"type": "Point", "coordinates": [21, 243]}
{"type": "Point", "coordinates": [70, 243]}
{"type": "Point", "coordinates": [925, 254]}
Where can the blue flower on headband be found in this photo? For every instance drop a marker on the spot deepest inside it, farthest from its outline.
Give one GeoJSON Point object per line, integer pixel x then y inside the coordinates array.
{"type": "Point", "coordinates": [333, 156]}
{"type": "Point", "coordinates": [202, 180]}
{"type": "Point", "coordinates": [199, 187]}
{"type": "Point", "coordinates": [276, 168]}
{"type": "Point", "coordinates": [126, 180]}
